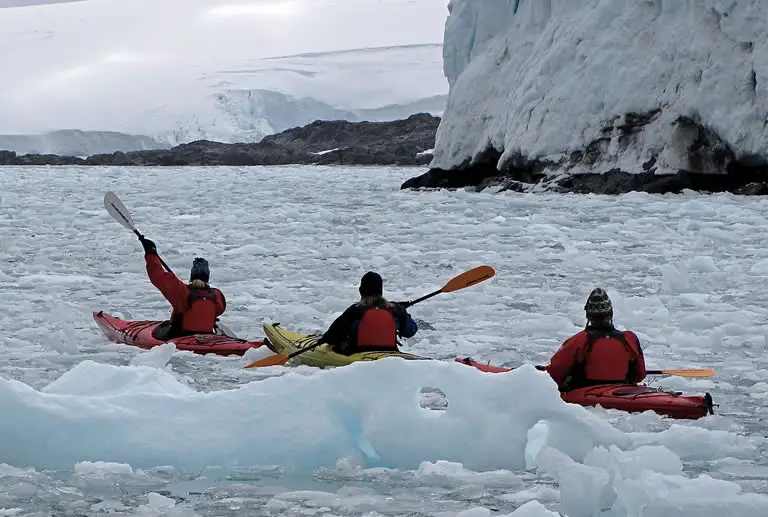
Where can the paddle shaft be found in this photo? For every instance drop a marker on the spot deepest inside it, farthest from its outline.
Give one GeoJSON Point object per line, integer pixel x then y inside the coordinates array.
{"type": "Point", "coordinates": [417, 300]}
{"type": "Point", "coordinates": [116, 208]}
{"type": "Point", "coordinates": [676, 372]}
{"type": "Point", "coordinates": [141, 237]}
{"type": "Point", "coordinates": [695, 373]}
{"type": "Point", "coordinates": [684, 372]}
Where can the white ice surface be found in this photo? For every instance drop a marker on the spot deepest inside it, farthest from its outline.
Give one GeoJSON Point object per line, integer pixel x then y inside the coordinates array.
{"type": "Point", "coordinates": [289, 244]}
{"type": "Point", "coordinates": [547, 80]}
{"type": "Point", "coordinates": [120, 414]}
{"type": "Point", "coordinates": [180, 70]}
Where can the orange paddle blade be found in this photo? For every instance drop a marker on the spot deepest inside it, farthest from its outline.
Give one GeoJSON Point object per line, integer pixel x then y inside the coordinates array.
{"type": "Point", "coordinates": [273, 360]}
{"type": "Point", "coordinates": [469, 278]}
{"type": "Point", "coordinates": [696, 373]}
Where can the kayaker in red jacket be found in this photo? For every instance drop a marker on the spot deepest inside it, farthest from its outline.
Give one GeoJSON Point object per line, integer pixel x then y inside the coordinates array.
{"type": "Point", "coordinates": [371, 324]}
{"type": "Point", "coordinates": [195, 306]}
{"type": "Point", "coordinates": [599, 354]}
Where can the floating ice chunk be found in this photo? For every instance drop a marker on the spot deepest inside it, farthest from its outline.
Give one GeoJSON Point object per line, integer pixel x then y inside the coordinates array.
{"type": "Point", "coordinates": [156, 357]}
{"type": "Point", "coordinates": [760, 267]}
{"type": "Point", "coordinates": [652, 494]}
{"type": "Point", "coordinates": [693, 443]}
{"type": "Point", "coordinates": [533, 509]}
{"type": "Point", "coordinates": [160, 502]}
{"type": "Point", "coordinates": [627, 464]}
{"type": "Point", "coordinates": [703, 264]}
{"type": "Point", "coordinates": [475, 512]}
{"type": "Point", "coordinates": [584, 490]}
{"type": "Point", "coordinates": [101, 468]}
{"type": "Point", "coordinates": [718, 234]}
{"type": "Point", "coordinates": [61, 340]}
{"type": "Point", "coordinates": [254, 354]}
{"type": "Point", "coordinates": [674, 279]}
{"type": "Point", "coordinates": [455, 473]}
{"type": "Point", "coordinates": [760, 387]}
{"type": "Point", "coordinates": [535, 493]}
{"type": "Point", "coordinates": [42, 280]}
{"type": "Point", "coordinates": [91, 379]}
{"type": "Point", "coordinates": [250, 249]}
{"type": "Point", "coordinates": [108, 506]}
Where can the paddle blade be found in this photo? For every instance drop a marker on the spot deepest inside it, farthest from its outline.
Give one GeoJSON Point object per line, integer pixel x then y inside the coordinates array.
{"type": "Point", "coordinates": [225, 331]}
{"type": "Point", "coordinates": [694, 373]}
{"type": "Point", "coordinates": [273, 360]}
{"type": "Point", "coordinates": [469, 278]}
{"type": "Point", "coordinates": [117, 209]}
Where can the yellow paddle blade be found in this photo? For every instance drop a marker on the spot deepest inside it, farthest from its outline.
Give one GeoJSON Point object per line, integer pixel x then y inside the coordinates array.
{"type": "Point", "coordinates": [695, 373]}
{"type": "Point", "coordinates": [273, 360]}
{"type": "Point", "coordinates": [469, 278]}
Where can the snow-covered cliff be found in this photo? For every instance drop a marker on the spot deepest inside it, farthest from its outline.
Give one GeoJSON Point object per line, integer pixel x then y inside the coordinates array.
{"type": "Point", "coordinates": [595, 85]}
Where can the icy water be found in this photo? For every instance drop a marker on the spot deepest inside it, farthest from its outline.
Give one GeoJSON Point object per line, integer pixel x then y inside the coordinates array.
{"type": "Point", "coordinates": [126, 432]}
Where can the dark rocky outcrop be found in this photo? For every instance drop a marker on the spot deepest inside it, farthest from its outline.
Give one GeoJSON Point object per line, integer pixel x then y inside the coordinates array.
{"type": "Point", "coordinates": [707, 164]}
{"type": "Point", "coordinates": [398, 142]}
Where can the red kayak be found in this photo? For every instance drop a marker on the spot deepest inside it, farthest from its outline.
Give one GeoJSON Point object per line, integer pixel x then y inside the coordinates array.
{"type": "Point", "coordinates": [139, 334]}
{"type": "Point", "coordinates": [627, 397]}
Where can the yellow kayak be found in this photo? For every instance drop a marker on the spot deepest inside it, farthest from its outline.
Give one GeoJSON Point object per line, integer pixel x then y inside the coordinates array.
{"type": "Point", "coordinates": [286, 342]}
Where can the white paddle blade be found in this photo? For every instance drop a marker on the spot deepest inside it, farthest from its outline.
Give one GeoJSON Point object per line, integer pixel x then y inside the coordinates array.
{"type": "Point", "coordinates": [117, 209]}
{"type": "Point", "coordinates": [225, 331]}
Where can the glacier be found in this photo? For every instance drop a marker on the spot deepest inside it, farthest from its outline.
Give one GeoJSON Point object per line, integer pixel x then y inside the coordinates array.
{"type": "Point", "coordinates": [73, 142]}
{"type": "Point", "coordinates": [592, 86]}
{"type": "Point", "coordinates": [182, 70]}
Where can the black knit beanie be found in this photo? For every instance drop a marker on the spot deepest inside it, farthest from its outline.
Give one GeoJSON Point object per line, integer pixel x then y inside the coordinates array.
{"type": "Point", "coordinates": [371, 284]}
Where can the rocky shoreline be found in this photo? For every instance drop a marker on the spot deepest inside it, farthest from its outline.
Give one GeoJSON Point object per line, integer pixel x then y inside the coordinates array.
{"type": "Point", "coordinates": [710, 165]}
{"type": "Point", "coordinates": [400, 142]}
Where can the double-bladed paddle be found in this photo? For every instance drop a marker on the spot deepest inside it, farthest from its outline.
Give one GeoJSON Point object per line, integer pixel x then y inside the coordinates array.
{"type": "Point", "coordinates": [120, 213]}
{"type": "Point", "coordinates": [466, 279]}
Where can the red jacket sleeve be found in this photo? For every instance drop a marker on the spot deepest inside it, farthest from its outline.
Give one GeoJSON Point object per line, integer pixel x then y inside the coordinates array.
{"type": "Point", "coordinates": [564, 359]}
{"type": "Point", "coordinates": [221, 303]}
{"type": "Point", "coordinates": [174, 290]}
{"type": "Point", "coordinates": [638, 373]}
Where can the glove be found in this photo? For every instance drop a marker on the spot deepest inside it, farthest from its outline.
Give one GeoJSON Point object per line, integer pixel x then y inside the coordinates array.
{"type": "Point", "coordinates": [149, 246]}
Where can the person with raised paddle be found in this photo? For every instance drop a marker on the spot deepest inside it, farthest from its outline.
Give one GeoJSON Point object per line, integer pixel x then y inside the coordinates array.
{"type": "Point", "coordinates": [195, 305]}
{"type": "Point", "coordinates": [599, 354]}
{"type": "Point", "coordinates": [373, 323]}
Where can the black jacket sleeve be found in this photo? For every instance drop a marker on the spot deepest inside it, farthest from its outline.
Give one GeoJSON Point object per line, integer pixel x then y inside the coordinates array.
{"type": "Point", "coordinates": [407, 326]}
{"type": "Point", "coordinates": [399, 312]}
{"type": "Point", "coordinates": [338, 332]}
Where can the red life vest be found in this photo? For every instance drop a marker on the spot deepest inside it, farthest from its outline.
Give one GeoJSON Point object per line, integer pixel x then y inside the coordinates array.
{"type": "Point", "coordinates": [605, 357]}
{"type": "Point", "coordinates": [200, 315]}
{"type": "Point", "coordinates": [377, 329]}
